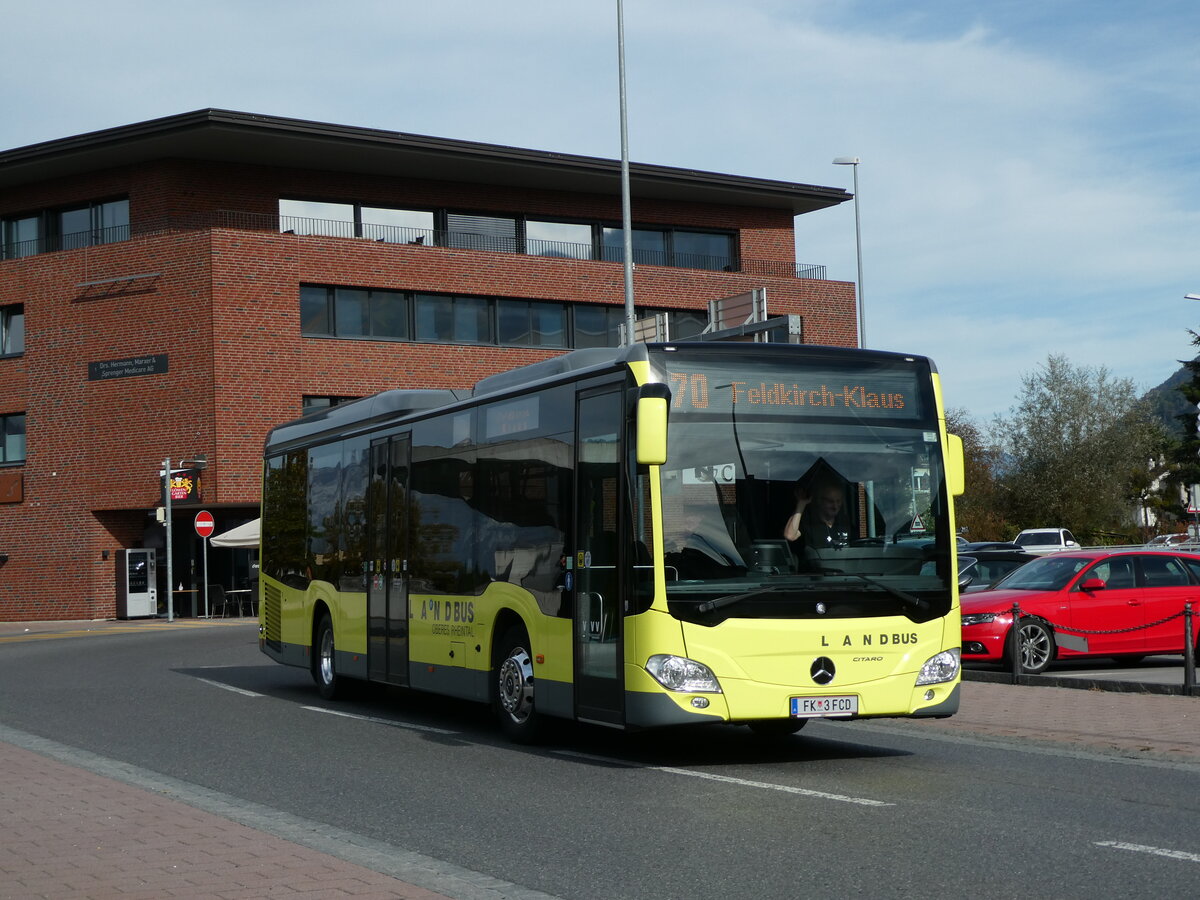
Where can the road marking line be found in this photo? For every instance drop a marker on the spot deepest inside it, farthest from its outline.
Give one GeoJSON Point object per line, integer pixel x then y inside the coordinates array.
{"type": "Point", "coordinates": [1153, 851]}
{"type": "Point", "coordinates": [92, 632]}
{"type": "Point", "coordinates": [378, 721]}
{"type": "Point", "coordinates": [230, 687]}
{"type": "Point", "coordinates": [742, 782]}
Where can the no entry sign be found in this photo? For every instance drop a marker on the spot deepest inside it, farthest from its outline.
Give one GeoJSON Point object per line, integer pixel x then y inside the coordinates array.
{"type": "Point", "coordinates": [204, 524]}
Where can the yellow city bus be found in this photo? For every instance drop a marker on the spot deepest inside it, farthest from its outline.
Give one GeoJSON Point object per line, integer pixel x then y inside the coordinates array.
{"type": "Point", "coordinates": [653, 535]}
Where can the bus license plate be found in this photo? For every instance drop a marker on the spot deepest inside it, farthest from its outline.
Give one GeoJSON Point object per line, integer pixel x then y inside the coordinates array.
{"type": "Point", "coordinates": [813, 707]}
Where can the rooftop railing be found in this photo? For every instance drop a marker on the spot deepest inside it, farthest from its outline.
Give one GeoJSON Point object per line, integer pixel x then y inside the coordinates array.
{"type": "Point", "coordinates": [427, 237]}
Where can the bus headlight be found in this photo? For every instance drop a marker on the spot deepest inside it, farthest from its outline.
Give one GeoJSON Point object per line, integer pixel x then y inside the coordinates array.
{"type": "Point", "coordinates": [940, 668]}
{"type": "Point", "coordinates": [678, 673]}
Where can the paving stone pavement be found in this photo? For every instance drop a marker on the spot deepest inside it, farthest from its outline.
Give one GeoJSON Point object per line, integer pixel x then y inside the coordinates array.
{"type": "Point", "coordinates": [1164, 726]}
{"type": "Point", "coordinates": [69, 833]}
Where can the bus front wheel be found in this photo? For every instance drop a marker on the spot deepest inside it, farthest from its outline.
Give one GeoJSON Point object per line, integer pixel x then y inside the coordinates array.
{"type": "Point", "coordinates": [512, 687]}
{"type": "Point", "coordinates": [324, 672]}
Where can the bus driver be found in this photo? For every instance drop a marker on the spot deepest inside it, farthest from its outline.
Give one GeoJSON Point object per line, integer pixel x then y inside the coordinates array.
{"type": "Point", "coordinates": [817, 521]}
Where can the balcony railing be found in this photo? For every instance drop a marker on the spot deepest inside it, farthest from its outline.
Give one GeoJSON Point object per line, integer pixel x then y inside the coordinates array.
{"type": "Point", "coordinates": [73, 241]}
{"type": "Point", "coordinates": [395, 234]}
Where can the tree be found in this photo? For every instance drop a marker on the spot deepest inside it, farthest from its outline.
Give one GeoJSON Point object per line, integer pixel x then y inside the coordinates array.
{"type": "Point", "coordinates": [1077, 448]}
{"type": "Point", "coordinates": [979, 510]}
{"type": "Point", "coordinates": [1184, 454]}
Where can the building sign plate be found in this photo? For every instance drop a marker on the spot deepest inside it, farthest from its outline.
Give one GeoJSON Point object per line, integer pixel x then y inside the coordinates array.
{"type": "Point", "coordinates": [127, 368]}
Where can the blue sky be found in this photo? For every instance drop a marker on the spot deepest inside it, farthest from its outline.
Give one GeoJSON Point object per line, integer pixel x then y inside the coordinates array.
{"type": "Point", "coordinates": [1030, 177]}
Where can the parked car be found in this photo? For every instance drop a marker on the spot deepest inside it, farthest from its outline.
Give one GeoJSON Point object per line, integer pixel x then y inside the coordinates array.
{"type": "Point", "coordinates": [1168, 540]}
{"type": "Point", "coordinates": [1125, 604]}
{"type": "Point", "coordinates": [986, 566]}
{"type": "Point", "coordinates": [1046, 540]}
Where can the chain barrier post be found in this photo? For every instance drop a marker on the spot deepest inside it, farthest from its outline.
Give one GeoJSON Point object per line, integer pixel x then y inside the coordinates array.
{"type": "Point", "coordinates": [1015, 641]}
{"type": "Point", "coordinates": [1189, 653]}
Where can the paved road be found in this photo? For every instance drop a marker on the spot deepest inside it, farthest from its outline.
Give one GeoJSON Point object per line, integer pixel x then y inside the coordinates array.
{"type": "Point", "coordinates": [106, 816]}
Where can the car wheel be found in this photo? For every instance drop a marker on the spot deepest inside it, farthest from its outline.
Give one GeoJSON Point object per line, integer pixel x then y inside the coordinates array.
{"type": "Point", "coordinates": [776, 728]}
{"type": "Point", "coordinates": [512, 688]}
{"type": "Point", "coordinates": [324, 671]}
{"type": "Point", "coordinates": [1036, 643]}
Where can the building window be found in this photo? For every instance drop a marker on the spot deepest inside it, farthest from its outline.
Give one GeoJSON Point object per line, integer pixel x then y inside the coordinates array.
{"type": "Point", "coordinates": [376, 223]}
{"type": "Point", "coordinates": [12, 439]}
{"type": "Point", "coordinates": [12, 329]}
{"type": "Point", "coordinates": [596, 326]}
{"type": "Point", "coordinates": [315, 306]}
{"type": "Point", "coordinates": [676, 247]}
{"type": "Point", "coordinates": [684, 324]}
{"type": "Point", "coordinates": [85, 225]}
{"type": "Point", "coordinates": [700, 250]}
{"type": "Point", "coordinates": [397, 226]}
{"type": "Point", "coordinates": [446, 319]}
{"type": "Point", "coordinates": [19, 236]}
{"type": "Point", "coordinates": [649, 247]}
{"type": "Point", "coordinates": [531, 323]}
{"type": "Point", "coordinates": [563, 240]}
{"type": "Point", "coordinates": [353, 313]}
{"type": "Point", "coordinates": [369, 314]}
{"type": "Point", "coordinates": [313, 217]}
{"type": "Point", "coordinates": [665, 246]}
{"type": "Point", "coordinates": [91, 224]}
{"type": "Point", "coordinates": [467, 232]}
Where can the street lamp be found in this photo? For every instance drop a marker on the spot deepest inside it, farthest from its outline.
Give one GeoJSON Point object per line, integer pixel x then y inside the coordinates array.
{"type": "Point", "coordinates": [862, 310]}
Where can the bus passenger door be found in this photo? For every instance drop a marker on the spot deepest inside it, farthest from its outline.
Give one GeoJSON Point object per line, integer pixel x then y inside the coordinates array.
{"type": "Point", "coordinates": [387, 561]}
{"type": "Point", "coordinates": [599, 689]}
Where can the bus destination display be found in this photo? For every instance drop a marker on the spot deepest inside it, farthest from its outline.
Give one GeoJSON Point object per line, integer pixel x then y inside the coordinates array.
{"type": "Point", "coordinates": [876, 394]}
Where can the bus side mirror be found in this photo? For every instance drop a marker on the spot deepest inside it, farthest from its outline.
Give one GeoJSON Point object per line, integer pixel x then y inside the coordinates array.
{"type": "Point", "coordinates": [652, 424]}
{"type": "Point", "coordinates": [956, 477]}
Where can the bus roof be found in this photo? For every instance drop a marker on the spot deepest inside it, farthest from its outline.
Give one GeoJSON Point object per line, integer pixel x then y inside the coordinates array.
{"type": "Point", "coordinates": [398, 403]}
{"type": "Point", "coordinates": [391, 404]}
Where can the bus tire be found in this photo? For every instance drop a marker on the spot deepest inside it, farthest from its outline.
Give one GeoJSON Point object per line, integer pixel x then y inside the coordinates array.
{"type": "Point", "coordinates": [512, 687]}
{"type": "Point", "coordinates": [1035, 643]}
{"type": "Point", "coordinates": [324, 668]}
{"type": "Point", "coordinates": [776, 728]}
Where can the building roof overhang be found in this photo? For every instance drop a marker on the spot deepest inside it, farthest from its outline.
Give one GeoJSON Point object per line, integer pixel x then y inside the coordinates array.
{"type": "Point", "coordinates": [244, 138]}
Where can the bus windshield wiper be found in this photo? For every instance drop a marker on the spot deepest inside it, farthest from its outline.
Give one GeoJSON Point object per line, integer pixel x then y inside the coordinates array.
{"type": "Point", "coordinates": [908, 598]}
{"type": "Point", "coordinates": [730, 599]}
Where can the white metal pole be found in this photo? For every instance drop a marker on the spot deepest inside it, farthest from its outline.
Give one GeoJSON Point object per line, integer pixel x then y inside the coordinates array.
{"type": "Point", "coordinates": [207, 614]}
{"type": "Point", "coordinates": [862, 307]}
{"type": "Point", "coordinates": [626, 214]}
{"type": "Point", "coordinates": [167, 525]}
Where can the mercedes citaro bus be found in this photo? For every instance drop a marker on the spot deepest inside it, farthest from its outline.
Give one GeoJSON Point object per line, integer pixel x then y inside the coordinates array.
{"type": "Point", "coordinates": [604, 537]}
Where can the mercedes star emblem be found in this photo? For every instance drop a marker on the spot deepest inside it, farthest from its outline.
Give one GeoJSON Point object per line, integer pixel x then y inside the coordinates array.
{"type": "Point", "coordinates": [822, 670]}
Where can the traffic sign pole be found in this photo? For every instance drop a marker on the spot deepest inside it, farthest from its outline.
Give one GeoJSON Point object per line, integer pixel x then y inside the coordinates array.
{"type": "Point", "coordinates": [204, 527]}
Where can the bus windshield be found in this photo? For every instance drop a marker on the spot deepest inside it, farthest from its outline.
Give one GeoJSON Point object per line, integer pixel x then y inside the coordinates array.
{"type": "Point", "coordinates": [804, 509]}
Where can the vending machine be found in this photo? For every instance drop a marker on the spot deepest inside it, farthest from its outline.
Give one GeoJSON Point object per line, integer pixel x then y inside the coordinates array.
{"type": "Point", "coordinates": [136, 592]}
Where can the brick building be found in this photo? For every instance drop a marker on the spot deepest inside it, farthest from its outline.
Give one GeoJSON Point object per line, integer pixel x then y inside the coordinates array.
{"type": "Point", "coordinates": [173, 289]}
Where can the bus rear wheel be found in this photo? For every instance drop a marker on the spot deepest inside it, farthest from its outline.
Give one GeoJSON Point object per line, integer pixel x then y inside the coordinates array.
{"type": "Point", "coordinates": [512, 688]}
{"type": "Point", "coordinates": [324, 671]}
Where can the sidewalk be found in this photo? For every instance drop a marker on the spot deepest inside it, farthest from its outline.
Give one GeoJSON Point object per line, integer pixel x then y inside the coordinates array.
{"type": "Point", "coordinates": [1159, 726]}
{"type": "Point", "coordinates": [73, 834]}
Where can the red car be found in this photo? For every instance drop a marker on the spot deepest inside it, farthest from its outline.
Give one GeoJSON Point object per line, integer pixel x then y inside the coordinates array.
{"type": "Point", "coordinates": [1079, 603]}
